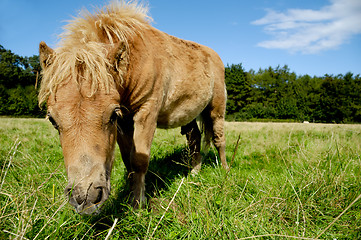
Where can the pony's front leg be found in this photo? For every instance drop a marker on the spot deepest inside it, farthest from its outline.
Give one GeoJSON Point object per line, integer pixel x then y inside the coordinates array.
{"type": "Point", "coordinates": [144, 128]}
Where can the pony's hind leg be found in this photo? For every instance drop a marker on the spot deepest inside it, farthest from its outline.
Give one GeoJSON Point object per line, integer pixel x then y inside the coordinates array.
{"type": "Point", "coordinates": [214, 130]}
{"type": "Point", "coordinates": [219, 140]}
{"type": "Point", "coordinates": [213, 117]}
{"type": "Point", "coordinates": [193, 135]}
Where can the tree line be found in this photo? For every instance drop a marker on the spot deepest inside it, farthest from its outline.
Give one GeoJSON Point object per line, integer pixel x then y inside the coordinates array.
{"type": "Point", "coordinates": [18, 85]}
{"type": "Point", "coordinates": [268, 94]}
{"type": "Point", "coordinates": [278, 93]}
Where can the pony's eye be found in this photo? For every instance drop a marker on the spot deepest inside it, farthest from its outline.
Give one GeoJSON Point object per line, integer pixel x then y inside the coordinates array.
{"type": "Point", "coordinates": [116, 113]}
{"type": "Point", "coordinates": [51, 119]}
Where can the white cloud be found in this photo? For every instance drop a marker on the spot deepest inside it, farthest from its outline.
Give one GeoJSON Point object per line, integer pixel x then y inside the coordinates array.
{"type": "Point", "coordinates": [312, 31]}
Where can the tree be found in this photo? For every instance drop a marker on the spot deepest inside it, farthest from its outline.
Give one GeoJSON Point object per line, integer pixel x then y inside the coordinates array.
{"type": "Point", "coordinates": [18, 75]}
{"type": "Point", "coordinates": [278, 93]}
{"type": "Point", "coordinates": [238, 88]}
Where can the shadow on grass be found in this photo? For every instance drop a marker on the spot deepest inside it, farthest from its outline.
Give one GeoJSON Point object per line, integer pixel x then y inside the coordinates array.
{"type": "Point", "coordinates": [162, 172]}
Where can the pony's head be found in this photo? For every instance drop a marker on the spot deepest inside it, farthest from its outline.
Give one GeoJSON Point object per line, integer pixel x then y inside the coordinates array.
{"type": "Point", "coordinates": [81, 81]}
{"type": "Point", "coordinates": [87, 124]}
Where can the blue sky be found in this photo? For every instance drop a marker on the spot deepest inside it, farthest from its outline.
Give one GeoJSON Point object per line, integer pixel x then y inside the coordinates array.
{"type": "Point", "coordinates": [312, 37]}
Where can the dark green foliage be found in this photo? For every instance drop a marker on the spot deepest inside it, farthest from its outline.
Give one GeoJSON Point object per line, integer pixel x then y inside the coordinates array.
{"type": "Point", "coordinates": [278, 93]}
{"type": "Point", "coordinates": [18, 80]}
{"type": "Point", "coordinates": [239, 88]}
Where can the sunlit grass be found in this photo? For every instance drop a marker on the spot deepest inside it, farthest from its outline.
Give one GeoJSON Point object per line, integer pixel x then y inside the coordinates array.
{"type": "Point", "coordinates": [286, 179]}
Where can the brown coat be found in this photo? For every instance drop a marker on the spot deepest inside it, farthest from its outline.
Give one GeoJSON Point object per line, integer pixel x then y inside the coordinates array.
{"type": "Point", "coordinates": [115, 64]}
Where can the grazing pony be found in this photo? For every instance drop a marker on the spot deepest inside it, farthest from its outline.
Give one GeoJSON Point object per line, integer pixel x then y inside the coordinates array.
{"type": "Point", "coordinates": [114, 77]}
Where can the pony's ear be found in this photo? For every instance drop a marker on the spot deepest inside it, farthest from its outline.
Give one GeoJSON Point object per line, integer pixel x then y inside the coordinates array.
{"type": "Point", "coordinates": [118, 54]}
{"type": "Point", "coordinates": [45, 55]}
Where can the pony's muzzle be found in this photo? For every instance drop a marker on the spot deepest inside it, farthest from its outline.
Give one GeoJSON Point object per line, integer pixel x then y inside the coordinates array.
{"type": "Point", "coordinates": [86, 201]}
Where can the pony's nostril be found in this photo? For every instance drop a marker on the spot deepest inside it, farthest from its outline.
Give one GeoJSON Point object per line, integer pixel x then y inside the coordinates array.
{"type": "Point", "coordinates": [99, 196]}
{"type": "Point", "coordinates": [79, 200]}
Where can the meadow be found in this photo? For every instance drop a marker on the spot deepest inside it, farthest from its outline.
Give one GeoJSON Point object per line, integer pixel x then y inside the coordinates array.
{"type": "Point", "coordinates": [287, 180]}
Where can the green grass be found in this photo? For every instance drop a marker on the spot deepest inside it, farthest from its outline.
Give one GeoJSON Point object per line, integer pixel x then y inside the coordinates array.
{"type": "Point", "coordinates": [286, 180]}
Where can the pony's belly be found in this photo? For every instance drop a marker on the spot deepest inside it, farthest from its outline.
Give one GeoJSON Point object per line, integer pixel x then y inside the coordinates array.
{"type": "Point", "coordinates": [184, 100]}
{"type": "Point", "coordinates": [182, 113]}
{"type": "Point", "coordinates": [175, 120]}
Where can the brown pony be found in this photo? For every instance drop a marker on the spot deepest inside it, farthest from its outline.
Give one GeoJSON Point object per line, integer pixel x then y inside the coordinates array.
{"type": "Point", "coordinates": [114, 78]}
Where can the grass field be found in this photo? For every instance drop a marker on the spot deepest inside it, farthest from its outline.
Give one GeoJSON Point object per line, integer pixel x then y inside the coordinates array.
{"type": "Point", "coordinates": [287, 180]}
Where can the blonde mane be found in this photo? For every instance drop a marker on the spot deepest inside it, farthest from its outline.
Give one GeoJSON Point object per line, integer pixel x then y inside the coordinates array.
{"type": "Point", "coordinates": [85, 44]}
